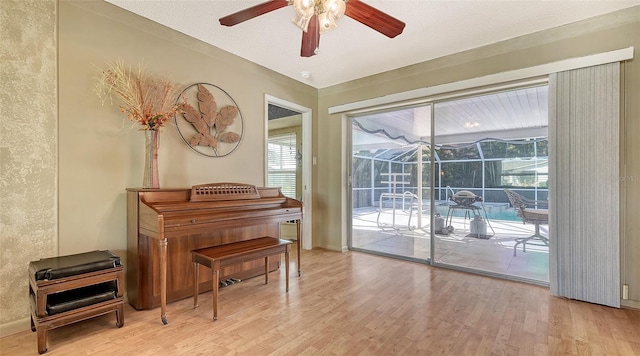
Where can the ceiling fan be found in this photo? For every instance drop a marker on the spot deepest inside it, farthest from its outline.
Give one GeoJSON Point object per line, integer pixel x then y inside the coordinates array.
{"type": "Point", "coordinates": [316, 17]}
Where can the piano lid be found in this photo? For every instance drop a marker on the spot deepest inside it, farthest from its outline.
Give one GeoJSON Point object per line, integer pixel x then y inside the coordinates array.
{"type": "Point", "coordinates": [216, 196]}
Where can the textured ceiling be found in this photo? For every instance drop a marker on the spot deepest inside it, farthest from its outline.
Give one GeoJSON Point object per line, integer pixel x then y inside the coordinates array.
{"type": "Point", "coordinates": [433, 29]}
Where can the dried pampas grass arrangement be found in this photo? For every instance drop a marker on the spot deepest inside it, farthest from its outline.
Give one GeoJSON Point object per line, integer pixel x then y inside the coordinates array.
{"type": "Point", "coordinates": [147, 99]}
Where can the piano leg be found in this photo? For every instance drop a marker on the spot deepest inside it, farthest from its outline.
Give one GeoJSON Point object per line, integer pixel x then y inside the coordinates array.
{"type": "Point", "coordinates": [162, 244]}
{"type": "Point", "coordinates": [214, 278]}
{"type": "Point", "coordinates": [266, 270]}
{"type": "Point", "coordinates": [286, 266]}
{"type": "Point", "coordinates": [196, 279]}
{"type": "Point", "coordinates": [299, 243]}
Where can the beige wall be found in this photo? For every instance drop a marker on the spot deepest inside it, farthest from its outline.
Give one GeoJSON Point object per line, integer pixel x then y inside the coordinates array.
{"type": "Point", "coordinates": [605, 33]}
{"type": "Point", "coordinates": [28, 138]}
{"type": "Point", "coordinates": [99, 152]}
{"type": "Point", "coordinates": [99, 155]}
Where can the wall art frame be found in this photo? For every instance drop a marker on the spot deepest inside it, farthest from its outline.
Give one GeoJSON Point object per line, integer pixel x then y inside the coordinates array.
{"type": "Point", "coordinates": [209, 121]}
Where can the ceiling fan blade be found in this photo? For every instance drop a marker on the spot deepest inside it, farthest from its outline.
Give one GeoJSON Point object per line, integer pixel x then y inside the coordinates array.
{"type": "Point", "coordinates": [311, 38]}
{"type": "Point", "coordinates": [374, 18]}
{"type": "Point", "coordinates": [252, 12]}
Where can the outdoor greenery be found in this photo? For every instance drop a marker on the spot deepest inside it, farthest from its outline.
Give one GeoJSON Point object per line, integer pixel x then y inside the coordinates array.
{"type": "Point", "coordinates": [485, 165]}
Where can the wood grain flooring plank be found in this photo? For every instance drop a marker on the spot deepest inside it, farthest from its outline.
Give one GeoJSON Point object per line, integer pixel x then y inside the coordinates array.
{"type": "Point", "coordinates": [357, 304]}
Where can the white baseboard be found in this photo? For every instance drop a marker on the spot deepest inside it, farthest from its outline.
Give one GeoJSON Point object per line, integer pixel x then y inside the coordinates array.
{"type": "Point", "coordinates": [630, 304]}
{"type": "Point", "coordinates": [335, 248]}
{"type": "Point", "coordinates": [15, 327]}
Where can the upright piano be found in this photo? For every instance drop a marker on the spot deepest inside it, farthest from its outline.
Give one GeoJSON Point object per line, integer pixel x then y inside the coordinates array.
{"type": "Point", "coordinates": [164, 225]}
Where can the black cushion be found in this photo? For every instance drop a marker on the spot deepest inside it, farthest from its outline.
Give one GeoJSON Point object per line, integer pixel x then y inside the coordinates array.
{"type": "Point", "coordinates": [81, 297]}
{"type": "Point", "coordinates": [71, 265]}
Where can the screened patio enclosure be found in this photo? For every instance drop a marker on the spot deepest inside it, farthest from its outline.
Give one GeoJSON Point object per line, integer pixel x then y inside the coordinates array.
{"type": "Point", "coordinates": [484, 168]}
{"type": "Point", "coordinates": [482, 145]}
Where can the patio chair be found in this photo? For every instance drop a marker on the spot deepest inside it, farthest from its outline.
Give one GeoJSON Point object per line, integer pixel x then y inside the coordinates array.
{"type": "Point", "coordinates": [530, 211]}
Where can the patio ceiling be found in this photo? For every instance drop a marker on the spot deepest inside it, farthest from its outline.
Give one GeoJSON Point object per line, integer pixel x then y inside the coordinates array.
{"type": "Point", "coordinates": [516, 114]}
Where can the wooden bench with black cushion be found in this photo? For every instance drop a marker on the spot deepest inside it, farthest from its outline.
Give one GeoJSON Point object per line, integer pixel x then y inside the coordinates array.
{"type": "Point", "coordinates": [217, 257]}
{"type": "Point", "coordinates": [67, 289]}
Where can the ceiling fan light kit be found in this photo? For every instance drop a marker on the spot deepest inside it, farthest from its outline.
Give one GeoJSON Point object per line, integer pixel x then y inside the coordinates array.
{"type": "Point", "coordinates": [304, 11]}
{"type": "Point", "coordinates": [328, 12]}
{"type": "Point", "coordinates": [316, 17]}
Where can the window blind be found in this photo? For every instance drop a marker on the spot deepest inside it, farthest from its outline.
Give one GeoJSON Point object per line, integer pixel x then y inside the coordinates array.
{"type": "Point", "coordinates": [584, 225]}
{"type": "Point", "coordinates": [282, 165]}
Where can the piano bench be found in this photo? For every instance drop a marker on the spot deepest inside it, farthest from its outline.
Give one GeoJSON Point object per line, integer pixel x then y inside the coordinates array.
{"type": "Point", "coordinates": [217, 257]}
{"type": "Point", "coordinates": [67, 289]}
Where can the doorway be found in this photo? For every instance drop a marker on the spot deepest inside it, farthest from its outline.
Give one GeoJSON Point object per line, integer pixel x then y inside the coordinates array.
{"type": "Point", "coordinates": [288, 155]}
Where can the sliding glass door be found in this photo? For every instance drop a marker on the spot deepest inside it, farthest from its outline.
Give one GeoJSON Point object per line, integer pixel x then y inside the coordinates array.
{"type": "Point", "coordinates": [483, 148]}
{"type": "Point", "coordinates": [390, 183]}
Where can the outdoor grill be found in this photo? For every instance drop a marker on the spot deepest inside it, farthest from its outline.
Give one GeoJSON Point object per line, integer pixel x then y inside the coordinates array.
{"type": "Point", "coordinates": [465, 198]}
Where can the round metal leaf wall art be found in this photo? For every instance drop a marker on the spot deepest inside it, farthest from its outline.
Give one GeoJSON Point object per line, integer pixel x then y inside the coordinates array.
{"type": "Point", "coordinates": [210, 122]}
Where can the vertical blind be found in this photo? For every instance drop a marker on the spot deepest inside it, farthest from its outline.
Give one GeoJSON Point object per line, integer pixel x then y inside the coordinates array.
{"type": "Point", "coordinates": [282, 165]}
{"type": "Point", "coordinates": [584, 124]}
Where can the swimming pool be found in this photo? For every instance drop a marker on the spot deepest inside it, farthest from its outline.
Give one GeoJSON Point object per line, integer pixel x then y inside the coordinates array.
{"type": "Point", "coordinates": [494, 212]}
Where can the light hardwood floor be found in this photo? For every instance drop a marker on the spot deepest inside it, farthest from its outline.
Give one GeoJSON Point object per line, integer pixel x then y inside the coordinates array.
{"type": "Point", "coordinates": [357, 304]}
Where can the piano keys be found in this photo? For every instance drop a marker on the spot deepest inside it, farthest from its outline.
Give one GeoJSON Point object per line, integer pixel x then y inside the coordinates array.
{"type": "Point", "coordinates": [164, 225]}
